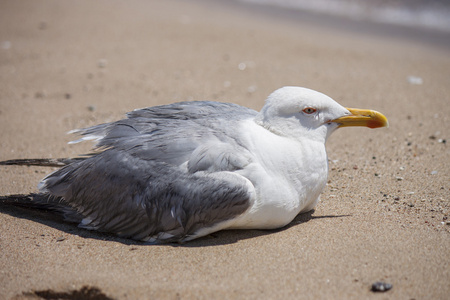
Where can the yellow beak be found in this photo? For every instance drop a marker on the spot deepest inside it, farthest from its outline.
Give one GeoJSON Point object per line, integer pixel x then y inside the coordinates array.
{"type": "Point", "coordinates": [363, 117]}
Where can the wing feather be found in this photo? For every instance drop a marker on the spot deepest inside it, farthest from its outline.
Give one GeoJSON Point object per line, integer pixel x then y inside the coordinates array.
{"type": "Point", "coordinates": [157, 175]}
{"type": "Point", "coordinates": [117, 192]}
{"type": "Point", "coordinates": [170, 133]}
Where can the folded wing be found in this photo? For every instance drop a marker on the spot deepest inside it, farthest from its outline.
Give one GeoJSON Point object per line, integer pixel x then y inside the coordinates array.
{"type": "Point", "coordinates": [160, 174]}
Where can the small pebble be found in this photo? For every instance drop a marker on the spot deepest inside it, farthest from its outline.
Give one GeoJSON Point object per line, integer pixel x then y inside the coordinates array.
{"type": "Point", "coordinates": [242, 66]}
{"type": "Point", "coordinates": [434, 172]}
{"type": "Point", "coordinates": [60, 239]}
{"type": "Point", "coordinates": [102, 63]}
{"type": "Point", "coordinates": [399, 178]}
{"type": "Point", "coordinates": [381, 287]}
{"type": "Point", "coordinates": [252, 89]}
{"type": "Point", "coordinates": [415, 80]}
{"type": "Point", "coordinates": [6, 45]}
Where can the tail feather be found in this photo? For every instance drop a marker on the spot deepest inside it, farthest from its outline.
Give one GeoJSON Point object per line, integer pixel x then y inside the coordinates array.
{"type": "Point", "coordinates": [43, 162]}
{"type": "Point", "coordinates": [43, 201]}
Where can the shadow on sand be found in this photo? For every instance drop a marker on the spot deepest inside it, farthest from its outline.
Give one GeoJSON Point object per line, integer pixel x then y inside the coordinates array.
{"type": "Point", "coordinates": [218, 238]}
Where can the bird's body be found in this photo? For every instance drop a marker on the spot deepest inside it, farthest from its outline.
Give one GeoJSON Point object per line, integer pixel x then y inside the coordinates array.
{"type": "Point", "coordinates": [181, 171]}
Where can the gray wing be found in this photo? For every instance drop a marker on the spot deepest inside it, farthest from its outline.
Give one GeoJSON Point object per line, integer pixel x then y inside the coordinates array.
{"type": "Point", "coordinates": [137, 187]}
{"type": "Point", "coordinates": [139, 199]}
{"type": "Point", "coordinates": [170, 133]}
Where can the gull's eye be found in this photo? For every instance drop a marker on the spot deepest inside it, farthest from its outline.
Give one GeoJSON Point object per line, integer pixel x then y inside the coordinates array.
{"type": "Point", "coordinates": [309, 110]}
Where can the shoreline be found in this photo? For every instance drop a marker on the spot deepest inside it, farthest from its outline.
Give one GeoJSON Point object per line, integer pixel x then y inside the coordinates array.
{"type": "Point", "coordinates": [420, 35]}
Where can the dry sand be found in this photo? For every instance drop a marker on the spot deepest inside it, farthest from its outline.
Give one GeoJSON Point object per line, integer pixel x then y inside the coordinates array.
{"type": "Point", "coordinates": [383, 216]}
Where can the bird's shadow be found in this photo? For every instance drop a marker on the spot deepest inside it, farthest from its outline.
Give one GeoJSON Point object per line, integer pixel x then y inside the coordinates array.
{"type": "Point", "coordinates": [215, 239]}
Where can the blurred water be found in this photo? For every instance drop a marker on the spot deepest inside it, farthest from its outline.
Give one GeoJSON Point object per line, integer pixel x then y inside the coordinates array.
{"type": "Point", "coordinates": [430, 14]}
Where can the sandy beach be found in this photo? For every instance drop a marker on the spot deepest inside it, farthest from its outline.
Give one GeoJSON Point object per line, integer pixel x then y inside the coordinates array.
{"type": "Point", "coordinates": [384, 215]}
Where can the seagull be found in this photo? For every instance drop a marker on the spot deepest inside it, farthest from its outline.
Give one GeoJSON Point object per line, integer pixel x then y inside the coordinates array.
{"type": "Point", "coordinates": [177, 172]}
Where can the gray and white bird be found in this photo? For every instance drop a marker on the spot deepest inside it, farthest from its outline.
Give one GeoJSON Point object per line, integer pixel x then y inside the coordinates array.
{"type": "Point", "coordinates": [182, 171]}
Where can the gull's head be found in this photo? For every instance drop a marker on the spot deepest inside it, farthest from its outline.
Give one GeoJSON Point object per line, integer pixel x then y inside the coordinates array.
{"type": "Point", "coordinates": [298, 112]}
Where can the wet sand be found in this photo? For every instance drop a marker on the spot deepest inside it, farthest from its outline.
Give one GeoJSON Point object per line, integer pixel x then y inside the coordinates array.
{"type": "Point", "coordinates": [383, 215]}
